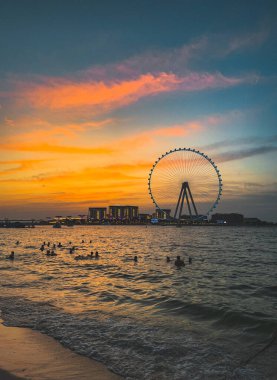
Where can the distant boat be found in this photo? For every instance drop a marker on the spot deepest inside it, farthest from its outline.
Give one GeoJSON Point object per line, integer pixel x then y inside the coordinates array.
{"type": "Point", "coordinates": [57, 225]}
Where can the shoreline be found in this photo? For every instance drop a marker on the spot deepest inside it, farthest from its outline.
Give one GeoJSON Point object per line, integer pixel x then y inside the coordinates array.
{"type": "Point", "coordinates": [29, 354]}
{"type": "Point", "coordinates": [4, 375]}
{"type": "Point", "coordinates": [261, 225]}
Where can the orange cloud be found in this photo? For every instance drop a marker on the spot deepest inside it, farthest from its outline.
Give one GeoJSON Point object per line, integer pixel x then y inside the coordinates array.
{"type": "Point", "coordinates": [110, 183]}
{"type": "Point", "coordinates": [59, 93]}
{"type": "Point", "coordinates": [177, 130]}
{"type": "Point", "coordinates": [102, 174]}
{"type": "Point", "coordinates": [63, 94]}
{"type": "Point", "coordinates": [15, 166]}
{"type": "Point", "coordinates": [38, 128]}
{"type": "Point", "coordinates": [44, 147]}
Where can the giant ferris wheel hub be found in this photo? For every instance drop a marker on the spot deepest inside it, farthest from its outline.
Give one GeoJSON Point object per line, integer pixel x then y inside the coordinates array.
{"type": "Point", "coordinates": [185, 180]}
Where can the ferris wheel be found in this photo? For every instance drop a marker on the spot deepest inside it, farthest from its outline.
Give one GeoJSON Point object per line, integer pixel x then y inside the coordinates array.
{"type": "Point", "coordinates": [186, 182]}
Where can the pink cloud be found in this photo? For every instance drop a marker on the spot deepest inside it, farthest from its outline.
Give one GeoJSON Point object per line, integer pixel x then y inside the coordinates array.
{"type": "Point", "coordinates": [176, 130]}
{"type": "Point", "coordinates": [101, 96]}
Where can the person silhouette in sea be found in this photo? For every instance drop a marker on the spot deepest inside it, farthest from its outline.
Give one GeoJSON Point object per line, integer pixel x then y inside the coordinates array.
{"type": "Point", "coordinates": [59, 245]}
{"type": "Point", "coordinates": [190, 260]}
{"type": "Point", "coordinates": [97, 255]}
{"type": "Point", "coordinates": [17, 243]}
{"type": "Point", "coordinates": [90, 256]}
{"type": "Point", "coordinates": [135, 259]}
{"type": "Point", "coordinates": [11, 256]}
{"type": "Point", "coordinates": [167, 259]}
{"type": "Point", "coordinates": [179, 263]}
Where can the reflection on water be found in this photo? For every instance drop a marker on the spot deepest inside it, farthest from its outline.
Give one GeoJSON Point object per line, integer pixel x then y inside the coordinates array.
{"type": "Point", "coordinates": [148, 319]}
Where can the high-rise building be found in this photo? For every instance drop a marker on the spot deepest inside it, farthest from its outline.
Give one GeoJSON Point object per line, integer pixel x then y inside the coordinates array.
{"type": "Point", "coordinates": [123, 212]}
{"type": "Point", "coordinates": [97, 213]}
{"type": "Point", "coordinates": [162, 214]}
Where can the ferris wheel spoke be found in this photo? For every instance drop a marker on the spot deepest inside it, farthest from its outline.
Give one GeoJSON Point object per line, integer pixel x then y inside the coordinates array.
{"type": "Point", "coordinates": [190, 173]}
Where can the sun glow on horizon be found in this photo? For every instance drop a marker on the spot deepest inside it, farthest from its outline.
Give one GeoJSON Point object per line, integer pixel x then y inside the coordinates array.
{"type": "Point", "coordinates": [88, 135]}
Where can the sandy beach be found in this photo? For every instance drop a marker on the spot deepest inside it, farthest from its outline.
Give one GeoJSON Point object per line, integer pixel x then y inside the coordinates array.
{"type": "Point", "coordinates": [4, 375]}
{"type": "Point", "coordinates": [28, 354]}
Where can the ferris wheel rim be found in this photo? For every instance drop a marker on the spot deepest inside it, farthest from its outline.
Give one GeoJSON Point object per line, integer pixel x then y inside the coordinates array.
{"type": "Point", "coordinates": [205, 156]}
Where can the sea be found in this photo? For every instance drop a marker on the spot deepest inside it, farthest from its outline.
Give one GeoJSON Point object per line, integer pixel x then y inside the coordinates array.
{"type": "Point", "coordinates": [215, 318]}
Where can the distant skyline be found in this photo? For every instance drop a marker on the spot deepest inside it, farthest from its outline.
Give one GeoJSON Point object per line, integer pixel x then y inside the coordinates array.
{"type": "Point", "coordinates": [92, 93]}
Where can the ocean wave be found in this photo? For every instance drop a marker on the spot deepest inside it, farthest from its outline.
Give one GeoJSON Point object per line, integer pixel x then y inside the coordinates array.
{"type": "Point", "coordinates": [149, 320]}
{"type": "Point", "coordinates": [136, 351]}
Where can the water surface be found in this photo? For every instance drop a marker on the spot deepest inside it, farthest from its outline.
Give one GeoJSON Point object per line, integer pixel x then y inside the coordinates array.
{"type": "Point", "coordinates": [149, 320]}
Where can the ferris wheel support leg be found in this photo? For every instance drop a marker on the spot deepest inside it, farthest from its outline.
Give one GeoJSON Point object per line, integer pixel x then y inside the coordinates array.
{"type": "Point", "coordinates": [178, 204]}
{"type": "Point", "coordinates": [192, 201]}
{"type": "Point", "coordinates": [182, 202]}
{"type": "Point", "coordinates": [187, 199]}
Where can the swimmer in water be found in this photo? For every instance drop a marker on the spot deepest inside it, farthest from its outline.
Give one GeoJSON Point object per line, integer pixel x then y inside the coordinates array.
{"type": "Point", "coordinates": [135, 259]}
{"type": "Point", "coordinates": [11, 257]}
{"type": "Point", "coordinates": [179, 263]}
{"type": "Point", "coordinates": [167, 259]}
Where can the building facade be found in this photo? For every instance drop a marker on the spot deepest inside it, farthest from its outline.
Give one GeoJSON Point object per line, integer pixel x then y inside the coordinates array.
{"type": "Point", "coordinates": [123, 212]}
{"type": "Point", "coordinates": [145, 217]}
{"type": "Point", "coordinates": [162, 214]}
{"type": "Point", "coordinates": [97, 213]}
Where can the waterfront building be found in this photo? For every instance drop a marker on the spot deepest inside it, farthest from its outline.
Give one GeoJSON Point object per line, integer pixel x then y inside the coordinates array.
{"type": "Point", "coordinates": [162, 214]}
{"type": "Point", "coordinates": [227, 218]}
{"type": "Point", "coordinates": [145, 217]}
{"type": "Point", "coordinates": [123, 212]}
{"type": "Point", "coordinates": [97, 213]}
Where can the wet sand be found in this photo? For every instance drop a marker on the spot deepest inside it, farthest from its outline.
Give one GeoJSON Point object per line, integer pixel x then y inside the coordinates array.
{"type": "Point", "coordinates": [4, 375]}
{"type": "Point", "coordinates": [25, 353]}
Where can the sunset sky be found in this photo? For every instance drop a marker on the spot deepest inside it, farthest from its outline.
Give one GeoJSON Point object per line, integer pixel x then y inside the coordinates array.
{"type": "Point", "coordinates": [93, 92]}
